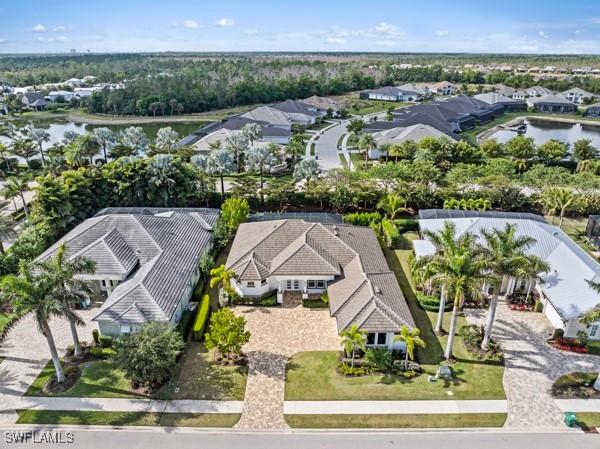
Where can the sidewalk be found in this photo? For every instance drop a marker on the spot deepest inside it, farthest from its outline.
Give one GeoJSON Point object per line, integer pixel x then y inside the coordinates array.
{"type": "Point", "coordinates": [578, 405]}
{"type": "Point", "coordinates": [393, 407]}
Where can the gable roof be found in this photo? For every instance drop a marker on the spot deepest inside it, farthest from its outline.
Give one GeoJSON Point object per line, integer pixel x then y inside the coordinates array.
{"type": "Point", "coordinates": [366, 292]}
{"type": "Point", "coordinates": [565, 285]}
{"type": "Point", "coordinates": [268, 114]}
{"type": "Point", "coordinates": [413, 133]}
{"type": "Point", "coordinates": [496, 97]}
{"type": "Point", "coordinates": [165, 246]}
{"type": "Point", "coordinates": [550, 99]}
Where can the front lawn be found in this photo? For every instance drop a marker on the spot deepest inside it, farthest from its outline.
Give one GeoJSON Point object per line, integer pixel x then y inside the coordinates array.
{"type": "Point", "coordinates": [396, 421]}
{"type": "Point", "coordinates": [195, 376]}
{"type": "Point", "coordinates": [127, 418]}
{"type": "Point", "coordinates": [312, 375]}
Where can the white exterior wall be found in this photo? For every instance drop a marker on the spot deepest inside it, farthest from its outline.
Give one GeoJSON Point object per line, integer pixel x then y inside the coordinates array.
{"type": "Point", "coordinates": [279, 283]}
{"type": "Point", "coordinates": [553, 315]}
{"type": "Point", "coordinates": [389, 343]}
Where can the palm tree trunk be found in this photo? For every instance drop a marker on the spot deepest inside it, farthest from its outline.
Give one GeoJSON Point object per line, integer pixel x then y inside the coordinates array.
{"type": "Point", "coordinates": [453, 321]}
{"type": "Point", "coordinates": [352, 362]}
{"type": "Point", "coordinates": [1, 247]}
{"type": "Point", "coordinates": [222, 186]}
{"type": "Point", "coordinates": [528, 290]}
{"type": "Point", "coordinates": [105, 156]}
{"type": "Point", "coordinates": [15, 203]}
{"type": "Point", "coordinates": [406, 359]}
{"type": "Point", "coordinates": [562, 215]}
{"type": "Point", "coordinates": [490, 319]}
{"type": "Point", "coordinates": [42, 154]}
{"type": "Point", "coordinates": [24, 205]}
{"type": "Point", "coordinates": [60, 374]}
{"type": "Point", "coordinates": [262, 195]}
{"type": "Point", "coordinates": [76, 344]}
{"type": "Point", "coordinates": [440, 318]}
{"type": "Point", "coordinates": [597, 383]}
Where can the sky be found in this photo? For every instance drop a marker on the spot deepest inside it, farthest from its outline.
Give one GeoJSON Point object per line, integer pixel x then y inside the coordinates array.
{"type": "Point", "coordinates": [509, 26]}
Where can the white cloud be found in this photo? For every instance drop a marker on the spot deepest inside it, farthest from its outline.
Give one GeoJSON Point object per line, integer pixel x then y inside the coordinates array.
{"type": "Point", "coordinates": [60, 39]}
{"type": "Point", "coordinates": [386, 43]}
{"type": "Point", "coordinates": [335, 40]}
{"type": "Point", "coordinates": [386, 28]}
{"type": "Point", "coordinates": [543, 34]}
{"type": "Point", "coordinates": [60, 29]}
{"type": "Point", "coordinates": [39, 28]}
{"type": "Point", "coordinates": [441, 33]}
{"type": "Point", "coordinates": [3, 40]}
{"type": "Point", "coordinates": [251, 31]}
{"type": "Point", "coordinates": [191, 24]}
{"type": "Point", "coordinates": [225, 22]}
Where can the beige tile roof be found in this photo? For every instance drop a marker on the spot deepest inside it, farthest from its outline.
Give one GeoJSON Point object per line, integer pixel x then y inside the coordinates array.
{"type": "Point", "coordinates": [366, 292]}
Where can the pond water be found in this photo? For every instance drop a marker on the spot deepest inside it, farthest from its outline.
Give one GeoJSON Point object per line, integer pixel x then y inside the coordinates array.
{"type": "Point", "coordinates": [544, 130]}
{"type": "Point", "coordinates": [56, 128]}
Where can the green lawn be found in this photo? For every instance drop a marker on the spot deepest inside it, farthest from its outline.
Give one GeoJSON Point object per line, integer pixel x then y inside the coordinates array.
{"type": "Point", "coordinates": [367, 107]}
{"type": "Point", "coordinates": [396, 421]}
{"type": "Point", "coordinates": [575, 228]}
{"type": "Point", "coordinates": [5, 318]}
{"type": "Point", "coordinates": [198, 377]}
{"type": "Point", "coordinates": [343, 160]}
{"type": "Point", "coordinates": [128, 418]}
{"type": "Point", "coordinates": [195, 377]}
{"type": "Point", "coordinates": [588, 419]}
{"type": "Point", "coordinates": [313, 149]}
{"type": "Point", "coordinates": [312, 375]}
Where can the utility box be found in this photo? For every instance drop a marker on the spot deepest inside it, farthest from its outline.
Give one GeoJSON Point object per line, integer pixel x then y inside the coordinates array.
{"type": "Point", "coordinates": [570, 419]}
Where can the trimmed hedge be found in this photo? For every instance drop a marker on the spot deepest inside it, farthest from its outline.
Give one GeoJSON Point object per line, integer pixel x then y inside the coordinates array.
{"type": "Point", "coordinates": [407, 224]}
{"type": "Point", "coordinates": [362, 218]}
{"type": "Point", "coordinates": [432, 303]}
{"type": "Point", "coordinates": [187, 320]}
{"type": "Point", "coordinates": [201, 318]}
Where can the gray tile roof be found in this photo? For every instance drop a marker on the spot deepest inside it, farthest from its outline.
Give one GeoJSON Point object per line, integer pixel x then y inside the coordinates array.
{"type": "Point", "coordinates": [165, 246]}
{"type": "Point", "coordinates": [365, 291]}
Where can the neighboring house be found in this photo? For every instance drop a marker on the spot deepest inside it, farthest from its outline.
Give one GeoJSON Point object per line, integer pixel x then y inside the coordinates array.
{"type": "Point", "coordinates": [74, 82]}
{"type": "Point", "coordinates": [520, 94]}
{"type": "Point", "coordinates": [33, 100]}
{"type": "Point", "coordinates": [564, 291]}
{"type": "Point", "coordinates": [593, 110]}
{"type": "Point", "coordinates": [412, 133]}
{"type": "Point", "coordinates": [300, 113]}
{"type": "Point", "coordinates": [443, 88]}
{"type": "Point", "coordinates": [58, 94]}
{"type": "Point", "coordinates": [538, 91]}
{"type": "Point", "coordinates": [146, 262]}
{"type": "Point", "coordinates": [270, 115]}
{"type": "Point", "coordinates": [303, 258]}
{"type": "Point", "coordinates": [323, 103]}
{"type": "Point", "coordinates": [552, 103]}
{"type": "Point", "coordinates": [577, 95]}
{"type": "Point", "coordinates": [508, 104]}
{"type": "Point", "coordinates": [414, 93]}
{"type": "Point", "coordinates": [406, 92]}
{"type": "Point", "coordinates": [507, 91]}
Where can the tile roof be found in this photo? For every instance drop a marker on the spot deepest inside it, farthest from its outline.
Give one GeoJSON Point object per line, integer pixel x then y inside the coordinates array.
{"type": "Point", "coordinates": [165, 244]}
{"type": "Point", "coordinates": [366, 291]}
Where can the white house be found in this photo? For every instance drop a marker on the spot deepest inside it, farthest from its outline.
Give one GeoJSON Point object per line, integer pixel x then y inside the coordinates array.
{"type": "Point", "coordinates": [564, 291]}
{"type": "Point", "coordinates": [577, 95]}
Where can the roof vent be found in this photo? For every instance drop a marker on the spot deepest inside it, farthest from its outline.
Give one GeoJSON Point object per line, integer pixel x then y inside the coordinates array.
{"type": "Point", "coordinates": [377, 290]}
{"type": "Point", "coordinates": [335, 230]}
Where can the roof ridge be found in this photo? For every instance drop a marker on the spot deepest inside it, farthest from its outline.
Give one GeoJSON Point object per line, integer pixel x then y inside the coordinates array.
{"type": "Point", "coordinates": [253, 248]}
{"type": "Point", "coordinates": [102, 239]}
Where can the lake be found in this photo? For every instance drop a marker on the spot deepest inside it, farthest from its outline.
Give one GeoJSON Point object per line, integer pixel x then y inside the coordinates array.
{"type": "Point", "coordinates": [544, 130]}
{"type": "Point", "coordinates": [56, 128]}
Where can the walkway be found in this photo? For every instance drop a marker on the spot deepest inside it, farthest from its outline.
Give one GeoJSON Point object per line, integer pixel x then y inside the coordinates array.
{"type": "Point", "coordinates": [277, 334]}
{"type": "Point", "coordinates": [392, 407]}
{"type": "Point", "coordinates": [531, 366]}
{"type": "Point", "coordinates": [327, 146]}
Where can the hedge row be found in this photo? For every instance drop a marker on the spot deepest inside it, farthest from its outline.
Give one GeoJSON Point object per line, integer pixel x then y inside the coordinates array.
{"type": "Point", "coordinates": [201, 318]}
{"type": "Point", "coordinates": [432, 303]}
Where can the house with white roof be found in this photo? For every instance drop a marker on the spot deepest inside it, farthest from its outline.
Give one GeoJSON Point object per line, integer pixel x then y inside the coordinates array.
{"type": "Point", "coordinates": [577, 95]}
{"type": "Point", "coordinates": [564, 290]}
{"type": "Point", "coordinates": [401, 134]}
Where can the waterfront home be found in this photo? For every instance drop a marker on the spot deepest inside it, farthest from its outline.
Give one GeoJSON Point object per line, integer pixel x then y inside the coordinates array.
{"type": "Point", "coordinates": [593, 110]}
{"type": "Point", "coordinates": [497, 99]}
{"type": "Point", "coordinates": [399, 135]}
{"type": "Point", "coordinates": [33, 100]}
{"type": "Point", "coordinates": [577, 95]}
{"type": "Point", "coordinates": [564, 291]}
{"type": "Point", "coordinates": [552, 103]}
{"type": "Point", "coordinates": [293, 258]}
{"type": "Point", "coordinates": [146, 262]}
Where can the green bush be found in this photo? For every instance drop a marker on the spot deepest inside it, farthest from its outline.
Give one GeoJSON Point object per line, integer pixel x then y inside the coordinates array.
{"type": "Point", "coordinates": [362, 218]}
{"type": "Point", "coordinates": [325, 297]}
{"type": "Point", "coordinates": [96, 337]}
{"type": "Point", "coordinates": [407, 224]}
{"type": "Point", "coordinates": [380, 358]}
{"type": "Point", "coordinates": [201, 318]}
{"type": "Point", "coordinates": [105, 341]}
{"type": "Point", "coordinates": [390, 232]}
{"type": "Point", "coordinates": [348, 370]}
{"type": "Point", "coordinates": [432, 303]}
{"type": "Point", "coordinates": [408, 374]}
{"type": "Point", "coordinates": [539, 306]}
{"type": "Point", "coordinates": [185, 325]}
{"type": "Point", "coordinates": [102, 353]}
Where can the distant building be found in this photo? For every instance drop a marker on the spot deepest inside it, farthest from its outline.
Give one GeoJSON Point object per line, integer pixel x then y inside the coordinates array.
{"type": "Point", "coordinates": [443, 88]}
{"type": "Point", "coordinates": [593, 110]}
{"type": "Point", "coordinates": [33, 100]}
{"type": "Point", "coordinates": [509, 104]}
{"type": "Point", "coordinates": [577, 95]}
{"type": "Point", "coordinates": [552, 103]}
{"type": "Point", "coordinates": [323, 103]}
{"type": "Point", "coordinates": [391, 93]}
{"type": "Point", "coordinates": [399, 135]}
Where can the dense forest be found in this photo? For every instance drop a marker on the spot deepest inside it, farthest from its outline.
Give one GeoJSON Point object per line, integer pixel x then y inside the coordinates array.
{"type": "Point", "coordinates": [185, 83]}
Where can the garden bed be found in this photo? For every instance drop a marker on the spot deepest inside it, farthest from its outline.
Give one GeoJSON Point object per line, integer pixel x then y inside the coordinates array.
{"type": "Point", "coordinates": [432, 303]}
{"type": "Point", "coordinates": [569, 344]}
{"type": "Point", "coordinates": [576, 386]}
{"type": "Point", "coordinates": [473, 337]}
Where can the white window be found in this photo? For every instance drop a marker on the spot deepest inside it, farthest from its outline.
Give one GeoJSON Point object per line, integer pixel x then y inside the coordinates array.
{"type": "Point", "coordinates": [288, 284]}
{"type": "Point", "coordinates": [292, 284]}
{"type": "Point", "coordinates": [313, 283]}
{"type": "Point", "coordinates": [377, 339]}
{"type": "Point", "coordinates": [296, 284]}
{"type": "Point", "coordinates": [594, 330]}
{"type": "Point", "coordinates": [250, 284]}
{"type": "Point", "coordinates": [125, 328]}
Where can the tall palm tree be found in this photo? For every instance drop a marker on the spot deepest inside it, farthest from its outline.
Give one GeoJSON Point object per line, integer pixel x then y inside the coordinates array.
{"type": "Point", "coordinates": [106, 138]}
{"type": "Point", "coordinates": [29, 292]}
{"type": "Point", "coordinates": [67, 287]}
{"type": "Point", "coordinates": [462, 272]}
{"type": "Point", "coordinates": [237, 144]}
{"type": "Point", "coordinates": [557, 200]}
{"type": "Point", "coordinates": [252, 132]}
{"type": "Point", "coordinates": [24, 148]}
{"type": "Point", "coordinates": [392, 204]}
{"type": "Point", "coordinates": [7, 229]}
{"type": "Point", "coordinates": [367, 142]}
{"type": "Point", "coordinates": [20, 185]}
{"type": "Point", "coordinates": [261, 159]}
{"type": "Point", "coordinates": [89, 144]}
{"type": "Point", "coordinates": [505, 256]}
{"type": "Point", "coordinates": [353, 338]}
{"type": "Point", "coordinates": [532, 271]}
{"type": "Point", "coordinates": [39, 136]}
{"type": "Point", "coordinates": [9, 193]}
{"type": "Point", "coordinates": [412, 339]}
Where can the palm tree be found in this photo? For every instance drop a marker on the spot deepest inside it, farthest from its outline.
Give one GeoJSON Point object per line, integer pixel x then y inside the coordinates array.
{"type": "Point", "coordinates": [462, 272]}
{"type": "Point", "coordinates": [556, 199]}
{"type": "Point", "coordinates": [367, 142]}
{"type": "Point", "coordinates": [160, 169]}
{"type": "Point", "coordinates": [412, 339]}
{"type": "Point", "coordinates": [307, 169]}
{"type": "Point", "coordinates": [20, 185]}
{"type": "Point", "coordinates": [221, 277]}
{"type": "Point", "coordinates": [24, 148]}
{"type": "Point", "coordinates": [392, 204]}
{"type": "Point", "coordinates": [252, 132]}
{"type": "Point", "coordinates": [353, 338]}
{"type": "Point", "coordinates": [532, 271]}
{"type": "Point", "coordinates": [39, 136]}
{"type": "Point", "coordinates": [30, 292]}
{"type": "Point", "coordinates": [7, 229]}
{"type": "Point", "coordinates": [218, 163]}
{"type": "Point", "coordinates": [4, 155]}
{"type": "Point", "coordinates": [261, 159]}
{"type": "Point", "coordinates": [505, 256]}
{"type": "Point", "coordinates": [106, 139]}
{"type": "Point", "coordinates": [67, 287]}
{"type": "Point", "coordinates": [9, 193]}
{"type": "Point", "coordinates": [237, 144]}
{"type": "Point", "coordinates": [90, 146]}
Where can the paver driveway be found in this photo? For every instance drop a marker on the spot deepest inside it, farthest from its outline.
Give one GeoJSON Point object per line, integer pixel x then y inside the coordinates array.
{"type": "Point", "coordinates": [277, 333]}
{"type": "Point", "coordinates": [531, 366]}
{"type": "Point", "coordinates": [25, 353]}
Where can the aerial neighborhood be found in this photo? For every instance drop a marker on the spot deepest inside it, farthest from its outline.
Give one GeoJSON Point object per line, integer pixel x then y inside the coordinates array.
{"type": "Point", "coordinates": [378, 242]}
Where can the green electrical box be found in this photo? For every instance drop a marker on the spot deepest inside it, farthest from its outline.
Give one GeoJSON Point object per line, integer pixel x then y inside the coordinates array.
{"type": "Point", "coordinates": [570, 419]}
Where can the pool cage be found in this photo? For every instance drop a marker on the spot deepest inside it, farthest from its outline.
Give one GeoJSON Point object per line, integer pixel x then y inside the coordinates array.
{"type": "Point", "coordinates": [592, 231]}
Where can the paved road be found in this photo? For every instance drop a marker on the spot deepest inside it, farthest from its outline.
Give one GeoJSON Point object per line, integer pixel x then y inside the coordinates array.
{"type": "Point", "coordinates": [157, 438]}
{"type": "Point", "coordinates": [326, 146]}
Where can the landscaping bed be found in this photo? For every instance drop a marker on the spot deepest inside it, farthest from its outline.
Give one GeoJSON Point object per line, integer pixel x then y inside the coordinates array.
{"type": "Point", "coordinates": [473, 337]}
{"type": "Point", "coordinates": [575, 386]}
{"type": "Point", "coordinates": [432, 303]}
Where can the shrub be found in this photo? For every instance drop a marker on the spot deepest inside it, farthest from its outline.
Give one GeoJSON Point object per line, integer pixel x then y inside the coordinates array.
{"type": "Point", "coordinates": [71, 371]}
{"type": "Point", "coordinates": [106, 341]}
{"type": "Point", "coordinates": [347, 370]}
{"type": "Point", "coordinates": [325, 297]}
{"type": "Point", "coordinates": [390, 233]}
{"type": "Point", "coordinates": [473, 337]}
{"type": "Point", "coordinates": [408, 374]}
{"type": "Point", "coordinates": [407, 224]}
{"type": "Point", "coordinates": [201, 318]}
{"type": "Point", "coordinates": [227, 332]}
{"type": "Point", "coordinates": [432, 303]}
{"type": "Point", "coordinates": [70, 351]}
{"type": "Point", "coordinates": [96, 337]}
{"type": "Point", "coordinates": [185, 325]}
{"type": "Point", "coordinates": [148, 355]}
{"type": "Point", "coordinates": [380, 358]}
{"type": "Point", "coordinates": [362, 218]}
{"type": "Point", "coordinates": [102, 353]}
{"type": "Point", "coordinates": [539, 306]}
